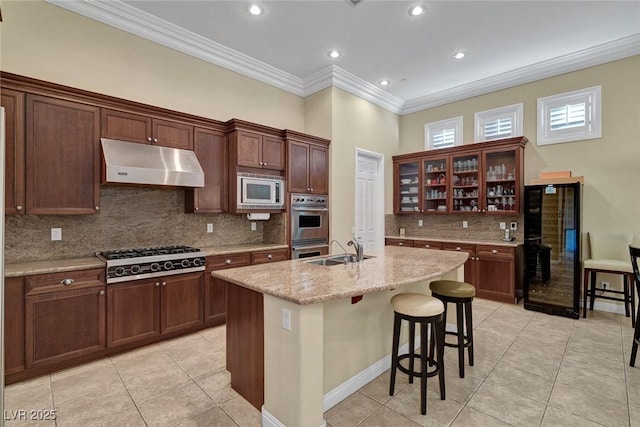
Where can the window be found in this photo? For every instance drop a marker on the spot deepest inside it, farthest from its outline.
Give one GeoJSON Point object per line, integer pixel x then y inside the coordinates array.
{"type": "Point", "coordinates": [503, 122]}
{"type": "Point", "coordinates": [570, 116]}
{"type": "Point", "coordinates": [442, 134]}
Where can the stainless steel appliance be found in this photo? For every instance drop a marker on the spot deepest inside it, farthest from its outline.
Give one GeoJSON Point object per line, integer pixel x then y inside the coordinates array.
{"type": "Point", "coordinates": [552, 234]}
{"type": "Point", "coordinates": [132, 264]}
{"type": "Point", "coordinates": [309, 225]}
{"type": "Point", "coordinates": [260, 191]}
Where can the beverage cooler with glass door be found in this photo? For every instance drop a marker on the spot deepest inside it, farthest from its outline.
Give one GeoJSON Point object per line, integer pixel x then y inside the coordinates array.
{"type": "Point", "coordinates": [552, 223]}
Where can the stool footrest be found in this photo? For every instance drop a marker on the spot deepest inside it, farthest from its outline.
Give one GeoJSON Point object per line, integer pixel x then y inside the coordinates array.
{"type": "Point", "coordinates": [430, 362]}
{"type": "Point", "coordinates": [466, 343]}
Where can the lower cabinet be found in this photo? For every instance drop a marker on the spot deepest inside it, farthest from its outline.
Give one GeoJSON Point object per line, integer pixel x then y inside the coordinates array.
{"type": "Point", "coordinates": [144, 309]}
{"type": "Point", "coordinates": [398, 242]}
{"type": "Point", "coordinates": [55, 306]}
{"type": "Point", "coordinates": [13, 325]}
{"type": "Point", "coordinates": [469, 265]}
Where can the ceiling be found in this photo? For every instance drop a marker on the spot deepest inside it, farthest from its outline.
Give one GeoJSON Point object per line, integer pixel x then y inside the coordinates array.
{"type": "Point", "coordinates": [506, 42]}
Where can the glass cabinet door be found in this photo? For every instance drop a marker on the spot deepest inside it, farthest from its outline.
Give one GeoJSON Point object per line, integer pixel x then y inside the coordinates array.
{"type": "Point", "coordinates": [434, 193]}
{"type": "Point", "coordinates": [409, 187]}
{"type": "Point", "coordinates": [466, 182]}
{"type": "Point", "coordinates": [501, 181]}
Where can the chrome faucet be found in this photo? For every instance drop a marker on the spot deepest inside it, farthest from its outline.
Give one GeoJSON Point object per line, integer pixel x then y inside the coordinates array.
{"type": "Point", "coordinates": [358, 248]}
{"type": "Point", "coordinates": [343, 249]}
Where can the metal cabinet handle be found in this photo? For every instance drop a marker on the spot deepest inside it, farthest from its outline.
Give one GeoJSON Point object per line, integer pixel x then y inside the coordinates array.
{"type": "Point", "coordinates": [494, 251]}
{"type": "Point", "coordinates": [458, 248]}
{"type": "Point", "coordinates": [400, 244]}
{"type": "Point", "coordinates": [228, 262]}
{"type": "Point", "coordinates": [269, 256]}
{"type": "Point", "coordinates": [157, 284]}
{"type": "Point", "coordinates": [149, 139]}
{"type": "Point", "coordinates": [67, 282]}
{"type": "Point", "coordinates": [155, 139]}
{"type": "Point", "coordinates": [164, 283]}
{"type": "Point", "coordinates": [264, 164]}
{"type": "Point", "coordinates": [196, 208]}
{"type": "Point", "coordinates": [312, 189]}
{"type": "Point", "coordinates": [18, 208]}
{"type": "Point", "coordinates": [427, 246]}
{"type": "Point", "coordinates": [101, 292]}
{"type": "Point", "coordinates": [96, 208]}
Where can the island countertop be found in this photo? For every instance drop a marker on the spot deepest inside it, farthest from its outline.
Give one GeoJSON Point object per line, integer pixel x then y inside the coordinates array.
{"type": "Point", "coordinates": [304, 283]}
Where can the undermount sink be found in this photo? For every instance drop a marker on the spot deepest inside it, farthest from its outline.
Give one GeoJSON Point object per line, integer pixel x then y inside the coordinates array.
{"type": "Point", "coordinates": [336, 260]}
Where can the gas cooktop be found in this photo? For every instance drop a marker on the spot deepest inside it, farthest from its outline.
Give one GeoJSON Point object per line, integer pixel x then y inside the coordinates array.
{"type": "Point", "coordinates": [132, 264]}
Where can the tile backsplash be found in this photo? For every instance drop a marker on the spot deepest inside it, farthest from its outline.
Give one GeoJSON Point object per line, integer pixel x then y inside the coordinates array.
{"type": "Point", "coordinates": [131, 218]}
{"type": "Point", "coordinates": [480, 227]}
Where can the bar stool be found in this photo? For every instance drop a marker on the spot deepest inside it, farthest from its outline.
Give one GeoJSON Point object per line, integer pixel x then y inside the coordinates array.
{"type": "Point", "coordinates": [609, 255]}
{"type": "Point", "coordinates": [427, 311]}
{"type": "Point", "coordinates": [635, 255]}
{"type": "Point", "coordinates": [461, 294]}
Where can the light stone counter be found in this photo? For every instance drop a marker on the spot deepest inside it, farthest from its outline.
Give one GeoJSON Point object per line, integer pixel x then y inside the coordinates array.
{"type": "Point", "coordinates": [304, 283]}
{"type": "Point", "coordinates": [492, 242]}
{"type": "Point", "coordinates": [18, 269]}
{"type": "Point", "coordinates": [293, 329]}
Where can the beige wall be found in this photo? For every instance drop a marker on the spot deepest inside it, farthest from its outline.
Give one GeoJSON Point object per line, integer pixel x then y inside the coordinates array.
{"type": "Point", "coordinates": [609, 164]}
{"type": "Point", "coordinates": [47, 42]}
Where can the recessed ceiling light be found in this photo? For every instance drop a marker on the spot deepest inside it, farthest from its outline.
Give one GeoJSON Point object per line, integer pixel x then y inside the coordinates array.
{"type": "Point", "coordinates": [417, 10]}
{"type": "Point", "coordinates": [384, 82]}
{"type": "Point", "coordinates": [254, 9]}
{"type": "Point", "coordinates": [333, 54]}
{"type": "Point", "coordinates": [458, 55]}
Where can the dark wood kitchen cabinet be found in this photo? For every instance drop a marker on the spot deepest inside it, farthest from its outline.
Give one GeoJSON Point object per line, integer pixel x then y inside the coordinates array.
{"type": "Point", "coordinates": [127, 126]}
{"type": "Point", "coordinates": [258, 151]}
{"type": "Point", "coordinates": [389, 241]}
{"type": "Point", "coordinates": [263, 257]}
{"type": "Point", "coordinates": [64, 316]}
{"type": "Point", "coordinates": [215, 295]}
{"type": "Point", "coordinates": [62, 156]}
{"type": "Point", "coordinates": [495, 273]}
{"type": "Point", "coordinates": [469, 265]}
{"type": "Point", "coordinates": [14, 184]}
{"type": "Point", "coordinates": [307, 163]}
{"type": "Point", "coordinates": [145, 309]}
{"type": "Point", "coordinates": [13, 325]}
{"type": "Point", "coordinates": [210, 146]}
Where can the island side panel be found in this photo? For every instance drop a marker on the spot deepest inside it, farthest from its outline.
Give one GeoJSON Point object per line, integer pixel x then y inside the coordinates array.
{"type": "Point", "coordinates": [245, 343]}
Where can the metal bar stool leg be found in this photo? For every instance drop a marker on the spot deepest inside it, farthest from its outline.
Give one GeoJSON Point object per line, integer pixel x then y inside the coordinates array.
{"type": "Point", "coordinates": [593, 290]}
{"type": "Point", "coordinates": [634, 319]}
{"type": "Point", "coordinates": [423, 368]}
{"type": "Point", "coordinates": [468, 315]}
{"type": "Point", "coordinates": [440, 334]}
{"type": "Point", "coordinates": [412, 348]}
{"type": "Point", "coordinates": [460, 333]}
{"type": "Point", "coordinates": [394, 356]}
{"type": "Point", "coordinates": [585, 292]}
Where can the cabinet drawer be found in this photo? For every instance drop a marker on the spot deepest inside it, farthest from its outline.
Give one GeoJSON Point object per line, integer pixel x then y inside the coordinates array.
{"type": "Point", "coordinates": [427, 244]}
{"type": "Point", "coordinates": [269, 256]}
{"type": "Point", "coordinates": [465, 247]}
{"type": "Point", "coordinates": [398, 242]}
{"type": "Point", "coordinates": [219, 262]}
{"type": "Point", "coordinates": [495, 252]}
{"type": "Point", "coordinates": [55, 282]}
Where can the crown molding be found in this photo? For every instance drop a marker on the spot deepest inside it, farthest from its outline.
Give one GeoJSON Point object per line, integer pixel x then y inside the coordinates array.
{"type": "Point", "coordinates": [132, 20]}
{"type": "Point", "coordinates": [596, 55]}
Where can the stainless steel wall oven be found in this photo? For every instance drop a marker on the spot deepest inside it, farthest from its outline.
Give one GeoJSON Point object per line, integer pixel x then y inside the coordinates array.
{"type": "Point", "coordinates": [309, 225]}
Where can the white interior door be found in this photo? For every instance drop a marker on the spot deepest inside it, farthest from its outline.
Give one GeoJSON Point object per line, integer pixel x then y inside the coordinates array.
{"type": "Point", "coordinates": [369, 209]}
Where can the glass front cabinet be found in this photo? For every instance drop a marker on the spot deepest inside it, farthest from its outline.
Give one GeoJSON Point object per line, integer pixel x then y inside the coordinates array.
{"type": "Point", "coordinates": [480, 178]}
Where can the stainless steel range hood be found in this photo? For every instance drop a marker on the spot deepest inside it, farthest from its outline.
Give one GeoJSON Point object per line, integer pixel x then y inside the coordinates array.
{"type": "Point", "coordinates": [142, 164]}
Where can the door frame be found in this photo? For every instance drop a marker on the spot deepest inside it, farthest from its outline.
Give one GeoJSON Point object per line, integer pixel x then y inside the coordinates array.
{"type": "Point", "coordinates": [380, 184]}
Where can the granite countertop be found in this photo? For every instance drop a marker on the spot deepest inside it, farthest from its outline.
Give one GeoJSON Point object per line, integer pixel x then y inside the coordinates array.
{"type": "Point", "coordinates": [27, 268]}
{"type": "Point", "coordinates": [304, 283]}
{"type": "Point", "coordinates": [493, 242]}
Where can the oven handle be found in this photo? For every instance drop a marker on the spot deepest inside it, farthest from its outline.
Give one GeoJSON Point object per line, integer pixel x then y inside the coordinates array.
{"type": "Point", "coordinates": [299, 248]}
{"type": "Point", "coordinates": [311, 209]}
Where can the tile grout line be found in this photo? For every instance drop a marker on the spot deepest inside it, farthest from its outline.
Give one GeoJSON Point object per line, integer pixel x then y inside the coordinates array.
{"type": "Point", "coordinates": [135, 405]}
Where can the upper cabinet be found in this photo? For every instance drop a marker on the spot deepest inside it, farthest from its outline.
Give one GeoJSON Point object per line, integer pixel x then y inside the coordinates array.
{"type": "Point", "coordinates": [307, 163]}
{"type": "Point", "coordinates": [210, 146]}
{"type": "Point", "coordinates": [476, 178]}
{"type": "Point", "coordinates": [255, 146]}
{"type": "Point", "coordinates": [13, 103]}
{"type": "Point", "coordinates": [62, 156]}
{"type": "Point", "coordinates": [132, 127]}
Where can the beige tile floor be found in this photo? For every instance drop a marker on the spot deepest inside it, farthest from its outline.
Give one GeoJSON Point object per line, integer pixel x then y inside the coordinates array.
{"type": "Point", "coordinates": [531, 370]}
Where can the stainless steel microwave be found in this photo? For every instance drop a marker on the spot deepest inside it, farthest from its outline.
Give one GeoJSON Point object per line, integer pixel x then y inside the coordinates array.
{"type": "Point", "coordinates": [260, 192]}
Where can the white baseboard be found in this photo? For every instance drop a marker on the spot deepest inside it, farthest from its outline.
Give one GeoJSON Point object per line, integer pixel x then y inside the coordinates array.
{"type": "Point", "coordinates": [609, 307]}
{"type": "Point", "coordinates": [268, 420]}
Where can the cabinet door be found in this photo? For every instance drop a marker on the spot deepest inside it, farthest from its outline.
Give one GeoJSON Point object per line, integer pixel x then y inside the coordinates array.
{"type": "Point", "coordinates": [298, 167]}
{"type": "Point", "coordinates": [398, 242]}
{"type": "Point", "coordinates": [495, 273]}
{"type": "Point", "coordinates": [13, 325]}
{"type": "Point", "coordinates": [182, 302]}
{"type": "Point", "coordinates": [263, 257]}
{"type": "Point", "coordinates": [125, 126]}
{"type": "Point", "coordinates": [470, 264]}
{"type": "Point", "coordinates": [318, 169]}
{"type": "Point", "coordinates": [210, 147]}
{"type": "Point", "coordinates": [248, 149]}
{"type": "Point", "coordinates": [272, 153]}
{"type": "Point", "coordinates": [133, 311]}
{"type": "Point", "coordinates": [427, 244]}
{"type": "Point", "coordinates": [215, 293]}
{"type": "Point", "coordinates": [435, 173]}
{"type": "Point", "coordinates": [466, 186]}
{"type": "Point", "coordinates": [13, 103]}
{"type": "Point", "coordinates": [407, 187]}
{"type": "Point", "coordinates": [502, 172]}
{"type": "Point", "coordinates": [64, 325]}
{"type": "Point", "coordinates": [172, 134]}
{"type": "Point", "coordinates": [62, 157]}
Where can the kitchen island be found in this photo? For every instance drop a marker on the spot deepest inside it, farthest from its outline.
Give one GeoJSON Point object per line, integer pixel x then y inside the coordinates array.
{"type": "Point", "coordinates": [300, 340]}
